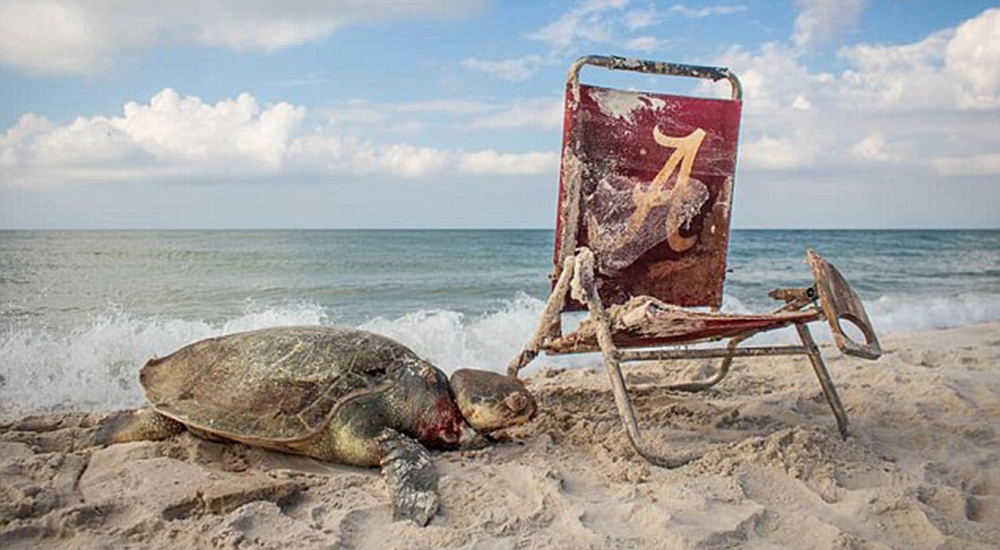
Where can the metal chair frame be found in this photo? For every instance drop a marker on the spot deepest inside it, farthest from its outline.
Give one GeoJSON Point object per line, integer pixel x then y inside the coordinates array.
{"type": "Point", "coordinates": [574, 278]}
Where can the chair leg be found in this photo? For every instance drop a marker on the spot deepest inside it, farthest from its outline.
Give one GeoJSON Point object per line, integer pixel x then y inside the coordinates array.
{"type": "Point", "coordinates": [824, 378]}
{"type": "Point", "coordinates": [699, 385]}
{"type": "Point", "coordinates": [584, 273]}
{"type": "Point", "coordinates": [549, 321]}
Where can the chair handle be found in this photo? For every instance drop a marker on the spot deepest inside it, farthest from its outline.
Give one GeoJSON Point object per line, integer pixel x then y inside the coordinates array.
{"type": "Point", "coordinates": [839, 302]}
{"type": "Point", "coordinates": [616, 63]}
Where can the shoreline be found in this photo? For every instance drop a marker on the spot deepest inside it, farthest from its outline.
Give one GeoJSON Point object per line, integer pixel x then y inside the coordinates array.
{"type": "Point", "coordinates": [921, 468]}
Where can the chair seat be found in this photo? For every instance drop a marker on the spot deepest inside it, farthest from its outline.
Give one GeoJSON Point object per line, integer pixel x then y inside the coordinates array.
{"type": "Point", "coordinates": [644, 321]}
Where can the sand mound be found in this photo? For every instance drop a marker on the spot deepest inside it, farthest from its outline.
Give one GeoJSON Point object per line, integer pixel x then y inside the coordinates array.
{"type": "Point", "coordinates": [920, 470]}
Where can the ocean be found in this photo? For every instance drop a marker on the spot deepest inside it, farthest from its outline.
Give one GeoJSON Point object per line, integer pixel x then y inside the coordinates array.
{"type": "Point", "coordinates": [81, 311]}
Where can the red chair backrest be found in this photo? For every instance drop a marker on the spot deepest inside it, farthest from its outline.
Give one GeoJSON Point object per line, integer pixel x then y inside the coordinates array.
{"type": "Point", "coordinates": [646, 183]}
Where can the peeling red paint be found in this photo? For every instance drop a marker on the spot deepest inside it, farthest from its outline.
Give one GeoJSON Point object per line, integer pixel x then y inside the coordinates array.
{"type": "Point", "coordinates": [650, 192]}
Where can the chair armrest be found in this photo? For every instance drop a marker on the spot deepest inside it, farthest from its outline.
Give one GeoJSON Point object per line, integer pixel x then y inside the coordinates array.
{"type": "Point", "coordinates": [840, 303]}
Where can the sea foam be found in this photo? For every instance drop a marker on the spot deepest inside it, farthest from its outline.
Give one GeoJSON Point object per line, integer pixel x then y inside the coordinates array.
{"type": "Point", "coordinates": [95, 365]}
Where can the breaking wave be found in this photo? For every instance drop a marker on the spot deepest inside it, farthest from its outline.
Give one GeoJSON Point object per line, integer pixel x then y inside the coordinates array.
{"type": "Point", "coordinates": [94, 366]}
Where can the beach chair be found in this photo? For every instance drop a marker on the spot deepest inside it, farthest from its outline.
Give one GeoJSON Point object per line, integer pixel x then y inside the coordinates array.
{"type": "Point", "coordinates": [642, 231]}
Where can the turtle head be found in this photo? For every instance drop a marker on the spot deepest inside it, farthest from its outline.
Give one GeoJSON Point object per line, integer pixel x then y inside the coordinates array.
{"type": "Point", "coordinates": [491, 401]}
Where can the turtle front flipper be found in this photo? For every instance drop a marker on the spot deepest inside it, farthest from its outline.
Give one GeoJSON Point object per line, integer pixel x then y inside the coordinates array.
{"type": "Point", "coordinates": [140, 425]}
{"type": "Point", "coordinates": [410, 476]}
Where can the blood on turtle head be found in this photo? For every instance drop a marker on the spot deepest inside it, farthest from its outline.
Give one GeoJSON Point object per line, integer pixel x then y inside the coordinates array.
{"type": "Point", "coordinates": [491, 401]}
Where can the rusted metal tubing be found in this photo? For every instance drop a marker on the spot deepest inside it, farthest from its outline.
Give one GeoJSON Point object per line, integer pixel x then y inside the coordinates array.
{"type": "Point", "coordinates": [659, 67]}
{"type": "Point", "coordinates": [667, 354]}
{"type": "Point", "coordinates": [664, 354]}
{"type": "Point", "coordinates": [794, 294]}
{"type": "Point", "coordinates": [720, 373]}
{"type": "Point", "coordinates": [819, 367]}
{"type": "Point", "coordinates": [585, 274]}
{"type": "Point", "coordinates": [549, 324]}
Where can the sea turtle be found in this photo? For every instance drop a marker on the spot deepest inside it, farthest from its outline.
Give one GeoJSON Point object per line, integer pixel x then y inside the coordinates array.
{"type": "Point", "coordinates": [336, 394]}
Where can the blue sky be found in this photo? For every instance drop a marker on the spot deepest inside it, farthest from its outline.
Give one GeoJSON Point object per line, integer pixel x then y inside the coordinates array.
{"type": "Point", "coordinates": [420, 113]}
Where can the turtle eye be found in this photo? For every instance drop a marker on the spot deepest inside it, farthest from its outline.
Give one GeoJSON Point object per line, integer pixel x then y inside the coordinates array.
{"type": "Point", "coordinates": [516, 402]}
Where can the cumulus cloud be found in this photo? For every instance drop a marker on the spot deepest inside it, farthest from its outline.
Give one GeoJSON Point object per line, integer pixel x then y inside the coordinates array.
{"type": "Point", "coordinates": [170, 133]}
{"type": "Point", "coordinates": [973, 56]}
{"type": "Point", "coordinates": [951, 68]}
{"type": "Point", "coordinates": [84, 36]}
{"type": "Point", "coordinates": [182, 136]}
{"type": "Point", "coordinates": [774, 79]}
{"type": "Point", "coordinates": [15, 142]}
{"type": "Point", "coordinates": [339, 154]}
{"type": "Point", "coordinates": [895, 107]}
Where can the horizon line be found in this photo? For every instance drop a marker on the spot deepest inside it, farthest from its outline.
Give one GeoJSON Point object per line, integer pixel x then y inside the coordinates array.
{"type": "Point", "coordinates": [122, 229]}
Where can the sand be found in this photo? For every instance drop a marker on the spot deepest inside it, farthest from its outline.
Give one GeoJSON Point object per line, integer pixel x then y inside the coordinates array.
{"type": "Point", "coordinates": [920, 470]}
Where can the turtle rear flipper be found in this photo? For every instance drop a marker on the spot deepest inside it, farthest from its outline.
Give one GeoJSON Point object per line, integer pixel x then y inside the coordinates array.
{"type": "Point", "coordinates": [410, 476]}
{"type": "Point", "coordinates": [139, 425]}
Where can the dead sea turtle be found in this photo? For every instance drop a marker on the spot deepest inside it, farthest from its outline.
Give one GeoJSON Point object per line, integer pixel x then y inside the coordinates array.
{"type": "Point", "coordinates": [329, 393]}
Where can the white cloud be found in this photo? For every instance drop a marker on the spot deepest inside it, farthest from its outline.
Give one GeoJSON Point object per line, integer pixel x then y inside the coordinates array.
{"type": "Point", "coordinates": [492, 162]}
{"type": "Point", "coordinates": [987, 164]}
{"type": "Point", "coordinates": [446, 106]}
{"type": "Point", "coordinates": [591, 22]}
{"type": "Point", "coordinates": [84, 36]}
{"type": "Point", "coordinates": [951, 68]}
{"type": "Point", "coordinates": [769, 153]}
{"type": "Point", "coordinates": [585, 22]}
{"type": "Point", "coordinates": [15, 141]}
{"type": "Point", "coordinates": [174, 136]}
{"type": "Point", "coordinates": [773, 79]}
{"type": "Point", "coordinates": [874, 148]}
{"type": "Point", "coordinates": [187, 129]}
{"type": "Point", "coordinates": [707, 11]}
{"type": "Point", "coordinates": [640, 19]}
{"type": "Point", "coordinates": [339, 154]}
{"type": "Point", "coordinates": [924, 107]}
{"type": "Point", "coordinates": [184, 134]}
{"type": "Point", "coordinates": [644, 44]}
{"type": "Point", "coordinates": [973, 56]}
{"type": "Point", "coordinates": [521, 68]}
{"type": "Point", "coordinates": [403, 160]}
{"type": "Point", "coordinates": [955, 68]}
{"type": "Point", "coordinates": [822, 20]}
{"type": "Point", "coordinates": [886, 76]}
{"type": "Point", "coordinates": [362, 112]}
{"type": "Point", "coordinates": [544, 113]}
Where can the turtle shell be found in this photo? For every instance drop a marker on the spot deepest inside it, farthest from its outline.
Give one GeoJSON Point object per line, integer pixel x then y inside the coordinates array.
{"type": "Point", "coordinates": [277, 384]}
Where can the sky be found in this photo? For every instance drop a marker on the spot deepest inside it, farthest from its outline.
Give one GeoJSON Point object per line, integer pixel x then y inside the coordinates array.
{"type": "Point", "coordinates": [447, 113]}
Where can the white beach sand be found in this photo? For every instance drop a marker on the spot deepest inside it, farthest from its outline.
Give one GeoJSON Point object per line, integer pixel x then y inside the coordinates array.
{"type": "Point", "coordinates": [920, 470]}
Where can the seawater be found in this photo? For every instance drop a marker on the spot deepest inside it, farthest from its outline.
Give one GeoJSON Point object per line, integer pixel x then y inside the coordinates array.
{"type": "Point", "coordinates": [81, 311]}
